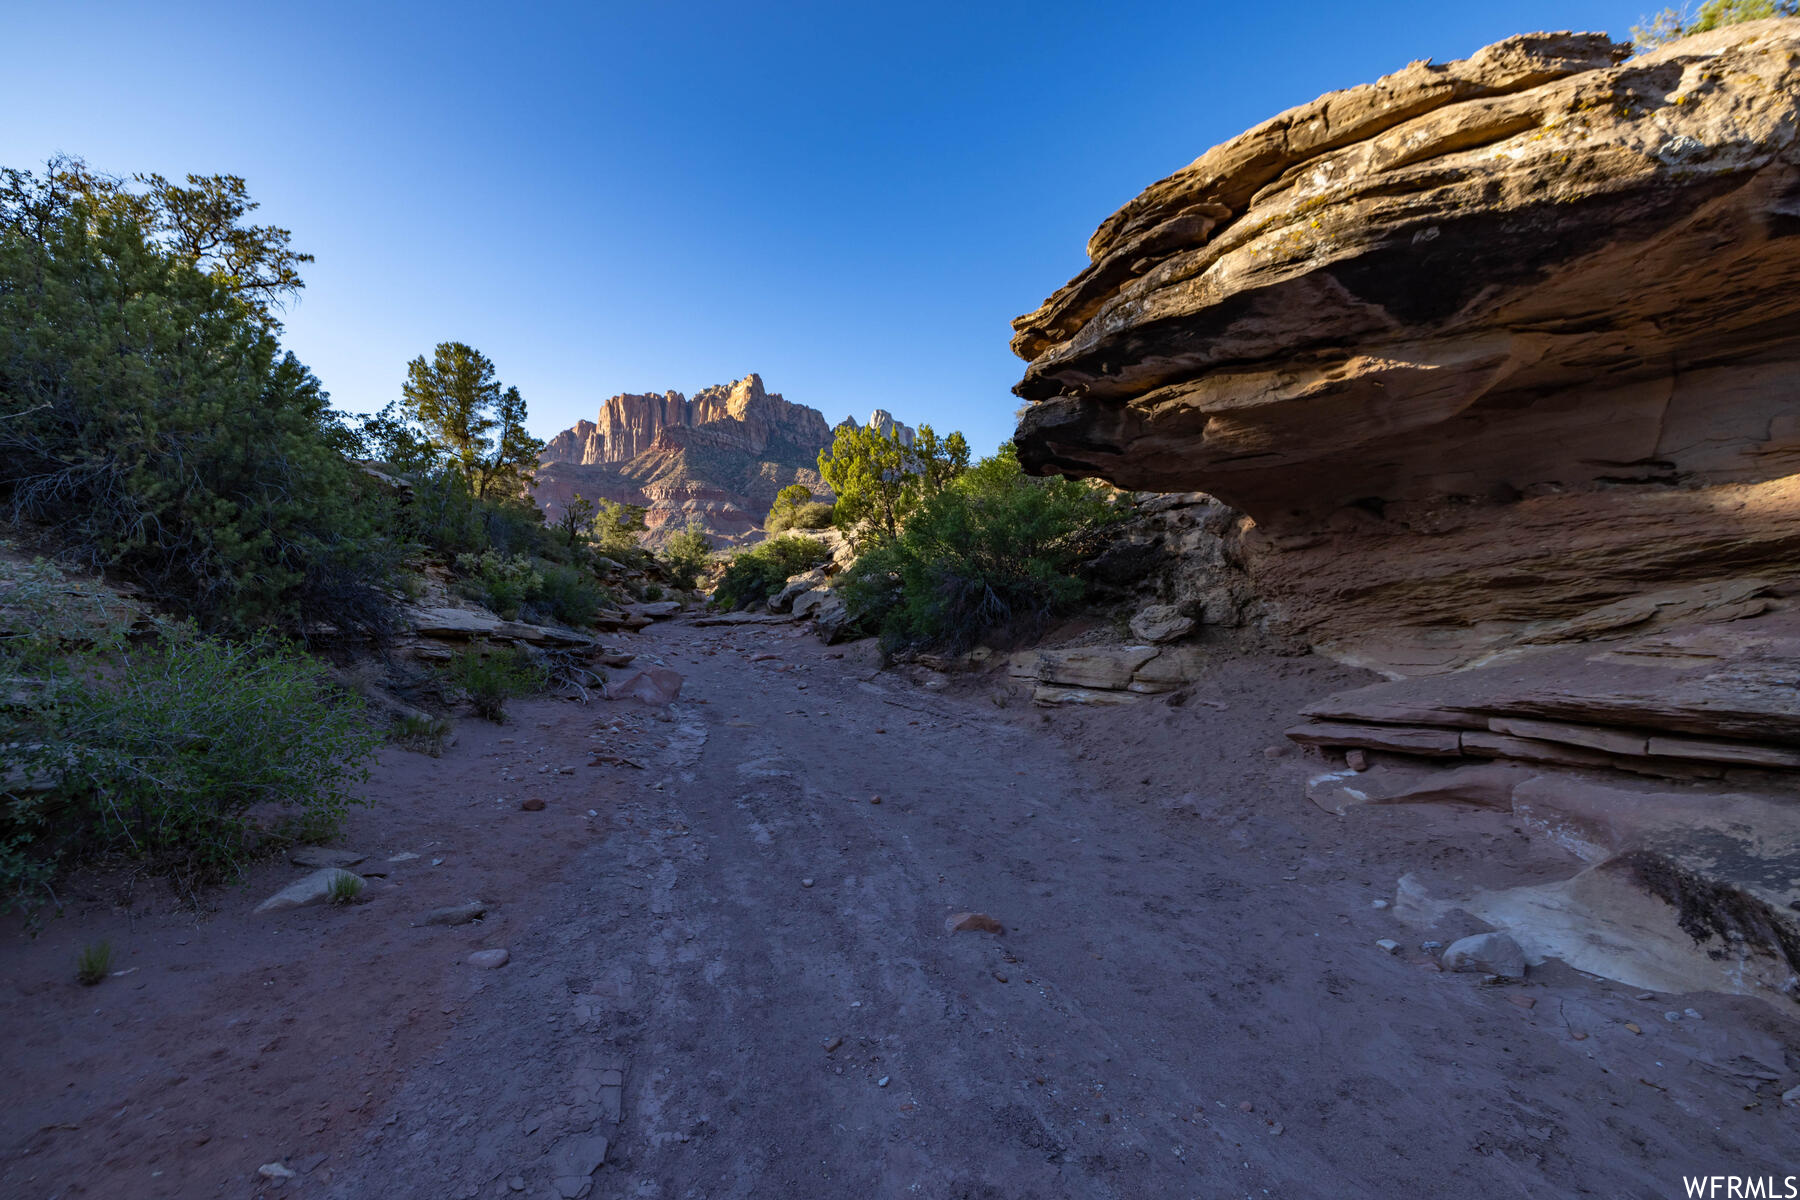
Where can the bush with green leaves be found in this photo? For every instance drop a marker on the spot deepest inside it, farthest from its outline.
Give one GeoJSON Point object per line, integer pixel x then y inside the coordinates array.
{"type": "Point", "coordinates": [685, 555]}
{"type": "Point", "coordinates": [94, 963]}
{"type": "Point", "coordinates": [491, 675]}
{"type": "Point", "coordinates": [1671, 24]}
{"type": "Point", "coordinates": [755, 574]}
{"type": "Point", "coordinates": [444, 516]}
{"type": "Point", "coordinates": [421, 733]}
{"type": "Point", "coordinates": [813, 514]}
{"type": "Point", "coordinates": [150, 419]}
{"type": "Point", "coordinates": [500, 582]}
{"type": "Point", "coordinates": [995, 550]}
{"type": "Point", "coordinates": [519, 586]}
{"type": "Point", "coordinates": [568, 595]}
{"type": "Point", "coordinates": [189, 752]}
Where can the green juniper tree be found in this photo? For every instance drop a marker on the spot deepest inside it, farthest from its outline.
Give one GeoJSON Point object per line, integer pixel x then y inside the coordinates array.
{"type": "Point", "coordinates": [478, 428]}
{"type": "Point", "coordinates": [879, 479]}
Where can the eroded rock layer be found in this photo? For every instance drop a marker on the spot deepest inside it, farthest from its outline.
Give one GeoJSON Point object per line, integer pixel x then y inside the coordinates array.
{"type": "Point", "coordinates": [1486, 349]}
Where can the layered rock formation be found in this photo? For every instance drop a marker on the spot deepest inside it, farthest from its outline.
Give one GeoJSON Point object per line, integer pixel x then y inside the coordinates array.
{"type": "Point", "coordinates": [1484, 348]}
{"type": "Point", "coordinates": [719, 458]}
{"type": "Point", "coordinates": [741, 416]}
{"type": "Point", "coordinates": [1501, 359]}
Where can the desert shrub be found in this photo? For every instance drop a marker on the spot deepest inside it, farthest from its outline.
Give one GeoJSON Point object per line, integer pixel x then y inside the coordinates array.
{"type": "Point", "coordinates": [491, 675]}
{"type": "Point", "coordinates": [566, 594]}
{"type": "Point", "coordinates": [995, 549]}
{"type": "Point", "coordinates": [420, 733]}
{"type": "Point", "coordinates": [685, 555]}
{"type": "Point", "coordinates": [757, 573]}
{"type": "Point", "coordinates": [1669, 24]}
{"type": "Point", "coordinates": [813, 514]}
{"type": "Point", "coordinates": [444, 516]}
{"type": "Point", "coordinates": [519, 586]}
{"type": "Point", "coordinates": [93, 964]}
{"type": "Point", "coordinates": [653, 592]}
{"type": "Point", "coordinates": [186, 751]}
{"type": "Point", "coordinates": [154, 422]}
{"type": "Point", "coordinates": [346, 888]}
{"type": "Point", "coordinates": [500, 582]}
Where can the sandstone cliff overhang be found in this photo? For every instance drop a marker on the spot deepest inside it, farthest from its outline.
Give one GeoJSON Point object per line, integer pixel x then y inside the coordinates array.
{"type": "Point", "coordinates": [1537, 268]}
{"type": "Point", "coordinates": [1499, 353]}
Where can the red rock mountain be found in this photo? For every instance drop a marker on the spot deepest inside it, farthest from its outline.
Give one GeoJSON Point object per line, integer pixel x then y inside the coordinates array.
{"type": "Point", "coordinates": [720, 457]}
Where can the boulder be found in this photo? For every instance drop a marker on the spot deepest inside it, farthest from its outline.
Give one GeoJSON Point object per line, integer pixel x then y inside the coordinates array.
{"type": "Point", "coordinates": [1485, 348]}
{"type": "Point", "coordinates": [830, 615]}
{"type": "Point", "coordinates": [797, 585]}
{"type": "Point", "coordinates": [1157, 623]}
{"type": "Point", "coordinates": [656, 610]}
{"type": "Point", "coordinates": [655, 686]}
{"type": "Point", "coordinates": [1490, 953]}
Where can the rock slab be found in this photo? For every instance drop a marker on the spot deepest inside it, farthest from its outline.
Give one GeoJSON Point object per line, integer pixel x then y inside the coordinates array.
{"type": "Point", "coordinates": [313, 889]}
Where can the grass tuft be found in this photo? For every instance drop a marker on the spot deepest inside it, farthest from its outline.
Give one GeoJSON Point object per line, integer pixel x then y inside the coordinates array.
{"type": "Point", "coordinates": [94, 963]}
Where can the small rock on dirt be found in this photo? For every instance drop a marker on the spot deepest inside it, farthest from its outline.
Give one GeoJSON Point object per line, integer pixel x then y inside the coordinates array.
{"type": "Point", "coordinates": [1791, 1096]}
{"type": "Point", "coordinates": [532, 805]}
{"type": "Point", "coordinates": [1390, 945]}
{"type": "Point", "coordinates": [806, 883]}
{"type": "Point", "coordinates": [314, 889]}
{"type": "Point", "coordinates": [325, 856]}
{"type": "Point", "coordinates": [1356, 760]}
{"type": "Point", "coordinates": [972, 922]}
{"type": "Point", "coordinates": [274, 1170]}
{"type": "Point", "coordinates": [456, 914]}
{"type": "Point", "coordinates": [832, 1043]}
{"type": "Point", "coordinates": [1494, 953]}
{"type": "Point", "coordinates": [490, 959]}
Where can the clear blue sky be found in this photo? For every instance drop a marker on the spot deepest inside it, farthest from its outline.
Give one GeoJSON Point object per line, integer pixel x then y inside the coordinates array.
{"type": "Point", "coordinates": [851, 199]}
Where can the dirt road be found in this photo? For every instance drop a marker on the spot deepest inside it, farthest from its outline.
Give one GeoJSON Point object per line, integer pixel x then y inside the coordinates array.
{"type": "Point", "coordinates": [736, 974]}
{"type": "Point", "coordinates": [1177, 1007]}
